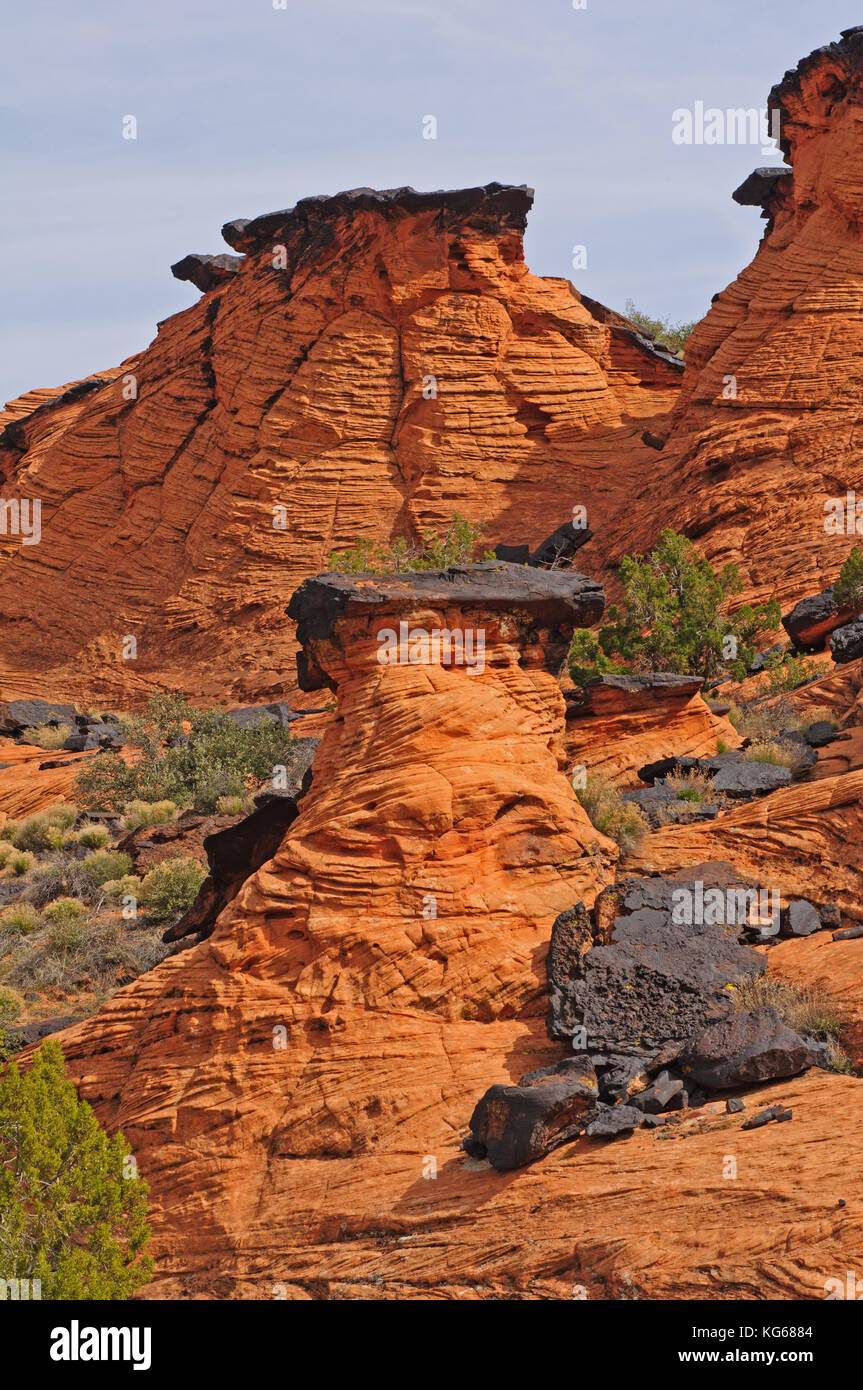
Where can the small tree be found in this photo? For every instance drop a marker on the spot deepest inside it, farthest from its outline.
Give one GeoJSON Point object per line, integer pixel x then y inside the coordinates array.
{"type": "Point", "coordinates": [673, 619]}
{"type": "Point", "coordinates": [848, 589]}
{"type": "Point", "coordinates": [73, 1213]}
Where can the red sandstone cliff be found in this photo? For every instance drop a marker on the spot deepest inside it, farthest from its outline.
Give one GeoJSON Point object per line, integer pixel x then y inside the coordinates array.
{"type": "Point", "coordinates": [370, 364]}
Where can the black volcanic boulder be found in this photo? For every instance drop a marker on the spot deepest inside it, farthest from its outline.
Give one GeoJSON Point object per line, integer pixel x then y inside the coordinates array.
{"type": "Point", "coordinates": [742, 780]}
{"type": "Point", "coordinates": [610, 1121]}
{"type": "Point", "coordinates": [812, 620]}
{"type": "Point", "coordinates": [656, 978]}
{"type": "Point", "coordinates": [16, 715]}
{"type": "Point", "coordinates": [515, 1125]}
{"type": "Point", "coordinates": [846, 644]}
{"type": "Point", "coordinates": [747, 1047]}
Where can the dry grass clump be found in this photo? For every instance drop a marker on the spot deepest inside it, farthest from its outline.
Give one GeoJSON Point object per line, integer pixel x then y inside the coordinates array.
{"type": "Point", "coordinates": [775, 752]}
{"type": "Point", "coordinates": [620, 820]}
{"type": "Point", "coordinates": [809, 1009]}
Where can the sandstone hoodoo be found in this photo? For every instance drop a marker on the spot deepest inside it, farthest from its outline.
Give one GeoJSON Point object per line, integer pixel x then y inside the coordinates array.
{"type": "Point", "coordinates": [770, 391]}
{"type": "Point", "coordinates": [388, 950]}
{"type": "Point", "coordinates": [370, 364]}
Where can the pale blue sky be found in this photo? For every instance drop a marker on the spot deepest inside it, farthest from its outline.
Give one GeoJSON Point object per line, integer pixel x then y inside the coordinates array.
{"type": "Point", "coordinates": [243, 108]}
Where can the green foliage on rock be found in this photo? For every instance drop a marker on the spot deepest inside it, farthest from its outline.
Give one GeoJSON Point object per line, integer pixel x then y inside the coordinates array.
{"type": "Point", "coordinates": [674, 619]}
{"type": "Point", "coordinates": [73, 1213]}
{"type": "Point", "coordinates": [848, 589]}
{"type": "Point", "coordinates": [457, 546]}
{"type": "Point", "coordinates": [673, 335]}
{"type": "Point", "coordinates": [188, 756]}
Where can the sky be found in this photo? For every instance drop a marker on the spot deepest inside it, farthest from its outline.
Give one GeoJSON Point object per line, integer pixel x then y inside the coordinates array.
{"type": "Point", "coordinates": [244, 106]}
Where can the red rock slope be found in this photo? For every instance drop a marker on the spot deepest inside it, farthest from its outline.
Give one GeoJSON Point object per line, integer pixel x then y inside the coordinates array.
{"type": "Point", "coordinates": [748, 474]}
{"type": "Point", "coordinates": [370, 364]}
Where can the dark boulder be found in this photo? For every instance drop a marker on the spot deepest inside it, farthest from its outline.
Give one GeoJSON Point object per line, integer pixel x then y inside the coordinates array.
{"type": "Point", "coordinates": [27, 1033]}
{"type": "Point", "coordinates": [513, 554]}
{"type": "Point", "coordinates": [82, 742]}
{"type": "Point", "coordinates": [819, 734]}
{"type": "Point", "coordinates": [16, 715]}
{"type": "Point", "coordinates": [812, 620]}
{"type": "Point", "coordinates": [742, 780]}
{"type": "Point", "coordinates": [660, 1095]}
{"type": "Point", "coordinates": [561, 547]}
{"type": "Point", "coordinates": [800, 918]}
{"type": "Point", "coordinates": [653, 980]}
{"type": "Point", "coordinates": [249, 716]}
{"type": "Point", "coordinates": [515, 1125]}
{"type": "Point", "coordinates": [744, 1048]}
{"type": "Point", "coordinates": [846, 644]}
{"type": "Point", "coordinates": [611, 1121]}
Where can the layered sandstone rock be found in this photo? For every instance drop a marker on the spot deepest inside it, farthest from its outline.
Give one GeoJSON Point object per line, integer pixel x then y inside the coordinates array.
{"type": "Point", "coordinates": [363, 985]}
{"type": "Point", "coordinates": [624, 722]}
{"type": "Point", "coordinates": [767, 428]}
{"type": "Point", "coordinates": [369, 364]}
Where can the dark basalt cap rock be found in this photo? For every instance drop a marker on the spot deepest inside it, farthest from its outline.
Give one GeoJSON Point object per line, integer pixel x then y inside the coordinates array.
{"type": "Point", "coordinates": [553, 598]}
{"type": "Point", "coordinates": [206, 272]}
{"type": "Point", "coordinates": [761, 184]}
{"type": "Point", "coordinates": [14, 436]}
{"type": "Point", "coordinates": [497, 206]}
{"type": "Point", "coordinates": [842, 62]}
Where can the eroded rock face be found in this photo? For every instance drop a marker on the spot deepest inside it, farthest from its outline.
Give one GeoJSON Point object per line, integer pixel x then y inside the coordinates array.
{"type": "Point", "coordinates": [390, 953]}
{"type": "Point", "coordinates": [373, 363]}
{"type": "Point", "coordinates": [767, 428]}
{"type": "Point", "coordinates": [622, 722]}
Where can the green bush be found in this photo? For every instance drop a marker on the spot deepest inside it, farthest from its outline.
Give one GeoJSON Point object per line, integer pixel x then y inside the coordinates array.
{"type": "Point", "coordinates": [65, 910]}
{"type": "Point", "coordinates": [778, 754]}
{"type": "Point", "coordinates": [21, 917]}
{"type": "Point", "coordinates": [21, 863]}
{"type": "Point", "coordinates": [93, 837]}
{"type": "Point", "coordinates": [171, 887]}
{"type": "Point", "coordinates": [129, 885]}
{"type": "Point", "coordinates": [67, 935]}
{"type": "Point", "coordinates": [34, 833]}
{"type": "Point", "coordinates": [233, 805]}
{"type": "Point", "coordinates": [8, 831]}
{"type": "Point", "coordinates": [188, 756]}
{"type": "Point", "coordinates": [673, 619]}
{"type": "Point", "coordinates": [73, 1212]}
{"type": "Point", "coordinates": [848, 589]}
{"type": "Point", "coordinates": [674, 335]}
{"type": "Point", "coordinates": [457, 546]}
{"type": "Point", "coordinates": [105, 864]}
{"type": "Point", "coordinates": [6, 852]}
